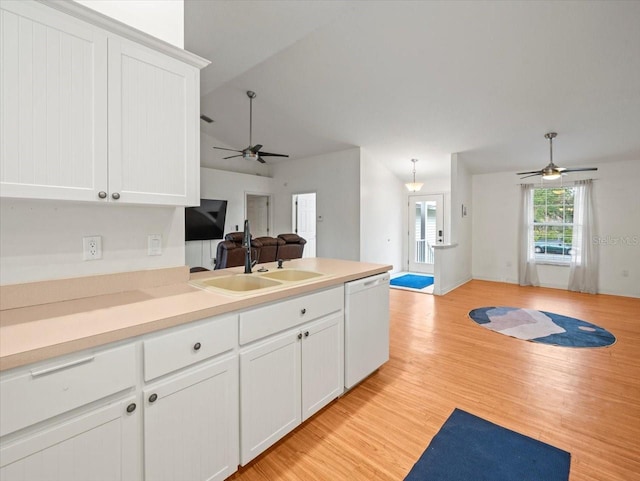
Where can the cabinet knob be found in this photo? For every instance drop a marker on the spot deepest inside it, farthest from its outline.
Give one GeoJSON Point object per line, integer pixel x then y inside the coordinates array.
{"type": "Point", "coordinates": [115, 196]}
{"type": "Point", "coordinates": [153, 398]}
{"type": "Point", "coordinates": [102, 194]}
{"type": "Point", "coordinates": [197, 346]}
{"type": "Point", "coordinates": [300, 336]}
{"type": "Point", "coordinates": [303, 311]}
{"type": "Point", "coordinates": [306, 333]}
{"type": "Point", "coordinates": [131, 407]}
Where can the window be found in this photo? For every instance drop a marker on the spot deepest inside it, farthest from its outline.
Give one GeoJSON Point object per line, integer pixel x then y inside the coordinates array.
{"type": "Point", "coordinates": [553, 240]}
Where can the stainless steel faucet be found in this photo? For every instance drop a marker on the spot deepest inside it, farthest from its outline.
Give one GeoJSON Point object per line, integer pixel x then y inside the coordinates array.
{"type": "Point", "coordinates": [246, 243]}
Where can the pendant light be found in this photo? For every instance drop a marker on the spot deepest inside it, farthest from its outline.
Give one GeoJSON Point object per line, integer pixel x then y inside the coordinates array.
{"type": "Point", "coordinates": [414, 186]}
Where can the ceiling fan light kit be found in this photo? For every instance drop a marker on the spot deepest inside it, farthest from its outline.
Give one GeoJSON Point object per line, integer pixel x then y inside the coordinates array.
{"type": "Point", "coordinates": [252, 152]}
{"type": "Point", "coordinates": [552, 171]}
{"type": "Point", "coordinates": [414, 186]}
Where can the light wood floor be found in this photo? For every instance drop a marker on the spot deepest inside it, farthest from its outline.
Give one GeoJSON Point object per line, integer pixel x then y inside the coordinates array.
{"type": "Point", "coordinates": [586, 401]}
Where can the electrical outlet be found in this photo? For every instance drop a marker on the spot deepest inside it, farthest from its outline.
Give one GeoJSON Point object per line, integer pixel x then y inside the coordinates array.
{"type": "Point", "coordinates": [92, 248]}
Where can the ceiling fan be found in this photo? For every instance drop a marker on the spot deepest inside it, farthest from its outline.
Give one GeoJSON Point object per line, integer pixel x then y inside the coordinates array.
{"type": "Point", "coordinates": [252, 152]}
{"type": "Point", "coordinates": [552, 171]}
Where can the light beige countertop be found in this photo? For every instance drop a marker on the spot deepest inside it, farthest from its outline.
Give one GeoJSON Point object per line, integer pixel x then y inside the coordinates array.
{"type": "Point", "coordinates": [42, 320]}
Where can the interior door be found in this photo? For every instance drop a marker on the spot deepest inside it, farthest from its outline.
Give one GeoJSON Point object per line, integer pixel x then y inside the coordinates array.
{"type": "Point", "coordinates": [304, 221]}
{"type": "Point", "coordinates": [426, 229]}
{"type": "Point", "coordinates": [257, 212]}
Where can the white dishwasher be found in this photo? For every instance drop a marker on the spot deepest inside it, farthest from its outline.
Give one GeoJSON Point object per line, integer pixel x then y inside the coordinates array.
{"type": "Point", "coordinates": [366, 327]}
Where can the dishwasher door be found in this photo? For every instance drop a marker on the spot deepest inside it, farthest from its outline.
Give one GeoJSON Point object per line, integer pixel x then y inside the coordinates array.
{"type": "Point", "coordinates": [366, 340]}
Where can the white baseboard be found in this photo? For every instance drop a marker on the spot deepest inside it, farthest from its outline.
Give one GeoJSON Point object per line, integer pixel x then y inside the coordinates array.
{"type": "Point", "coordinates": [553, 286]}
{"type": "Point", "coordinates": [448, 289]}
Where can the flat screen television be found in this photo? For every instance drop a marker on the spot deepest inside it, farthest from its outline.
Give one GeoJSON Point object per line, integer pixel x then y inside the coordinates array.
{"type": "Point", "coordinates": [206, 221]}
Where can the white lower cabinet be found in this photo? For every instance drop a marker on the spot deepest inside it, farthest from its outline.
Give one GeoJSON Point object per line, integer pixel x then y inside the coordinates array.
{"type": "Point", "coordinates": [269, 393]}
{"type": "Point", "coordinates": [191, 424]}
{"type": "Point", "coordinates": [322, 365]}
{"type": "Point", "coordinates": [90, 416]}
{"type": "Point", "coordinates": [99, 445]}
{"type": "Point", "coordinates": [286, 379]}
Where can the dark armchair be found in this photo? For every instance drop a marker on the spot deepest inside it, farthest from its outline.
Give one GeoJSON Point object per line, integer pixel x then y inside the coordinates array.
{"type": "Point", "coordinates": [292, 248]}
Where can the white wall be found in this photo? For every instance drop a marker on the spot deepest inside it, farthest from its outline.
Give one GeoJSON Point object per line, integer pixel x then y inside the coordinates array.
{"type": "Point", "coordinates": [495, 219]}
{"type": "Point", "coordinates": [232, 187]}
{"type": "Point", "coordinates": [382, 202]}
{"type": "Point", "coordinates": [162, 19]}
{"type": "Point", "coordinates": [335, 178]}
{"type": "Point", "coordinates": [495, 227]}
{"type": "Point", "coordinates": [618, 209]}
{"type": "Point", "coordinates": [453, 264]}
{"type": "Point", "coordinates": [42, 240]}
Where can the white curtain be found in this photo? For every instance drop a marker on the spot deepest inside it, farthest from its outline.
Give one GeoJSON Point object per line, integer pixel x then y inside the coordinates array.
{"type": "Point", "coordinates": [527, 272]}
{"type": "Point", "coordinates": [583, 276]}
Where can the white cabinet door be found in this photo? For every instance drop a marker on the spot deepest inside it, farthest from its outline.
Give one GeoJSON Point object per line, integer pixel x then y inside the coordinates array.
{"type": "Point", "coordinates": [191, 424]}
{"type": "Point", "coordinates": [322, 364]}
{"type": "Point", "coordinates": [153, 126]}
{"type": "Point", "coordinates": [101, 445]}
{"type": "Point", "coordinates": [270, 395]}
{"type": "Point", "coordinates": [53, 124]}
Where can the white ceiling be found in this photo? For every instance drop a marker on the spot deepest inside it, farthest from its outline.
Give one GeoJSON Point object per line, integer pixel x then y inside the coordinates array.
{"type": "Point", "coordinates": [425, 79]}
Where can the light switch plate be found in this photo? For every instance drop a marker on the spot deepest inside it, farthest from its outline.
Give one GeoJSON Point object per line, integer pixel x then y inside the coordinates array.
{"type": "Point", "coordinates": [154, 245]}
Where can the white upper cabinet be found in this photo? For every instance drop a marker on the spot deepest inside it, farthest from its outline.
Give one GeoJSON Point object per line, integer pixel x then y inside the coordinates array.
{"type": "Point", "coordinates": [91, 115]}
{"type": "Point", "coordinates": [153, 126]}
{"type": "Point", "coordinates": [54, 105]}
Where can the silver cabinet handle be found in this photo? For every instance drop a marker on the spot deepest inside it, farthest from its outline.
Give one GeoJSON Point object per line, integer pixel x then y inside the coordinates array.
{"type": "Point", "coordinates": [115, 196]}
{"type": "Point", "coordinates": [102, 194]}
{"type": "Point", "coordinates": [59, 367]}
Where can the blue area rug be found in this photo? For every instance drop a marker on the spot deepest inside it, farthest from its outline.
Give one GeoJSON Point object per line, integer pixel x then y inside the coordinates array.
{"type": "Point", "coordinates": [542, 326]}
{"type": "Point", "coordinates": [412, 281]}
{"type": "Point", "coordinates": [469, 448]}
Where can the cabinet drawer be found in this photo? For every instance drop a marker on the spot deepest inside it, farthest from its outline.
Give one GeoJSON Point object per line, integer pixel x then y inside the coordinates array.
{"type": "Point", "coordinates": [188, 345]}
{"type": "Point", "coordinates": [279, 316]}
{"type": "Point", "coordinates": [55, 388]}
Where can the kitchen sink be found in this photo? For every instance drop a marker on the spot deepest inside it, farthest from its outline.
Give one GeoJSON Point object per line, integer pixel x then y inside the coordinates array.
{"type": "Point", "coordinates": [239, 283]}
{"type": "Point", "coordinates": [291, 275]}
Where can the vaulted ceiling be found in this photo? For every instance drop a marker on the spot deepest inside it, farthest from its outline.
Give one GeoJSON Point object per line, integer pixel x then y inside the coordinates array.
{"type": "Point", "coordinates": [424, 79]}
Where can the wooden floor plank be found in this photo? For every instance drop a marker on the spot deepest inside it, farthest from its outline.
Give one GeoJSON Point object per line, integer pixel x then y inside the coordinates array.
{"type": "Point", "coordinates": [586, 401]}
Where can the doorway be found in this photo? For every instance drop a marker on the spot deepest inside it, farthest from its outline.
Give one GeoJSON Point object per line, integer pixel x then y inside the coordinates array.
{"type": "Point", "coordinates": [303, 220]}
{"type": "Point", "coordinates": [426, 229]}
{"type": "Point", "coordinates": [257, 213]}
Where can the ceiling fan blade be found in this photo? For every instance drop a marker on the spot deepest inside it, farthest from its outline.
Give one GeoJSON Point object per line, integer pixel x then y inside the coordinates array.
{"type": "Point", "coordinates": [268, 154]}
{"type": "Point", "coordinates": [230, 150]}
{"type": "Point", "coordinates": [583, 169]}
{"type": "Point", "coordinates": [261, 160]}
{"type": "Point", "coordinates": [256, 148]}
{"type": "Point", "coordinates": [532, 172]}
{"type": "Point", "coordinates": [231, 157]}
{"type": "Point", "coordinates": [532, 175]}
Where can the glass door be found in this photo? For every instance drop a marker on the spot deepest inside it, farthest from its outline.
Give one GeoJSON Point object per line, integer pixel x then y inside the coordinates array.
{"type": "Point", "coordinates": [426, 229]}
